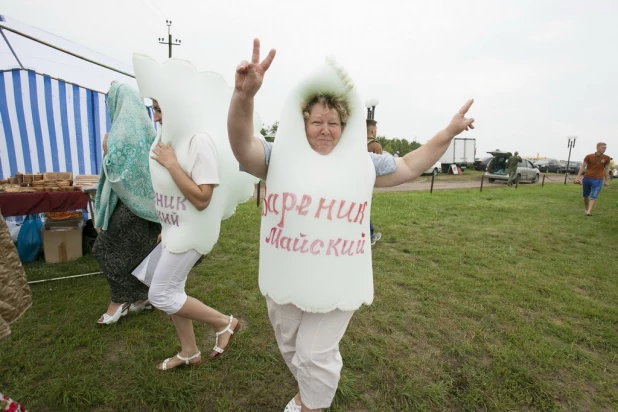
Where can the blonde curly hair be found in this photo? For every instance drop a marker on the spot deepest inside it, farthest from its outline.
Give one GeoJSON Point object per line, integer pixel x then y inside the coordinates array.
{"type": "Point", "coordinates": [330, 101]}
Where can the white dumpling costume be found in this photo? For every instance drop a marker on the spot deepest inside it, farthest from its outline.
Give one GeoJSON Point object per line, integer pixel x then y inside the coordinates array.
{"type": "Point", "coordinates": [192, 102]}
{"type": "Point", "coordinates": [315, 248]}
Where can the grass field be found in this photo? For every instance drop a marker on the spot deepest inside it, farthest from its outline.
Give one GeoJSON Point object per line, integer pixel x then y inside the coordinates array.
{"type": "Point", "coordinates": [504, 300]}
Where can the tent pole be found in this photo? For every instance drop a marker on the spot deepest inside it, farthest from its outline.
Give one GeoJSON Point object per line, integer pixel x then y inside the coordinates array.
{"type": "Point", "coordinates": [11, 47]}
{"type": "Point", "coordinates": [63, 50]}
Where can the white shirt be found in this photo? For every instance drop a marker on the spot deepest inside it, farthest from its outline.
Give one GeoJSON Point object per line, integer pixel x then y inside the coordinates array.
{"type": "Point", "coordinates": [203, 165]}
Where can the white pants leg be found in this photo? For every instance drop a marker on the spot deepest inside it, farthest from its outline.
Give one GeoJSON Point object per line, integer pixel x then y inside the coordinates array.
{"type": "Point", "coordinates": [167, 290]}
{"type": "Point", "coordinates": [309, 344]}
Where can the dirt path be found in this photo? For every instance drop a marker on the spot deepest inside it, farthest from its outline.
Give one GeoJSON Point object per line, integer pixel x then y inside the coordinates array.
{"type": "Point", "coordinates": [423, 183]}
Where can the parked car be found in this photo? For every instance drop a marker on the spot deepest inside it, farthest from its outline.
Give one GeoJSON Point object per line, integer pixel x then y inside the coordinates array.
{"type": "Point", "coordinates": [434, 170]}
{"type": "Point", "coordinates": [541, 164]}
{"type": "Point", "coordinates": [549, 165]}
{"type": "Point", "coordinates": [481, 163]}
{"type": "Point", "coordinates": [572, 168]}
{"type": "Point", "coordinates": [496, 169]}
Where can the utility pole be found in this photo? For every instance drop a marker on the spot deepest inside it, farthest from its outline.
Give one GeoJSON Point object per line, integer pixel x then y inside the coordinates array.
{"type": "Point", "coordinates": [571, 145]}
{"type": "Point", "coordinates": [169, 42]}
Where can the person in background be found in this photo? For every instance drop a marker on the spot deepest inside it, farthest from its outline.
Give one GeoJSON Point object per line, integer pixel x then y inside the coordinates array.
{"type": "Point", "coordinates": [596, 166]}
{"type": "Point", "coordinates": [511, 167]}
{"type": "Point", "coordinates": [373, 147]}
{"type": "Point", "coordinates": [124, 204]}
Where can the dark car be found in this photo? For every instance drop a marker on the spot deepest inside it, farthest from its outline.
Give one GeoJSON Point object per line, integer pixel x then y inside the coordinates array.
{"type": "Point", "coordinates": [569, 167]}
{"type": "Point", "coordinates": [481, 163]}
{"type": "Point", "coordinates": [551, 166]}
{"type": "Point", "coordinates": [541, 164]}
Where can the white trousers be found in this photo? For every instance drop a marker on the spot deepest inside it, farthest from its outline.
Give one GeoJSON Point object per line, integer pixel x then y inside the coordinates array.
{"type": "Point", "coordinates": [167, 290]}
{"type": "Point", "coordinates": [309, 344]}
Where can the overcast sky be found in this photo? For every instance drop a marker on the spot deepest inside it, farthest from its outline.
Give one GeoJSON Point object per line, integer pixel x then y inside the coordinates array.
{"type": "Point", "coordinates": [539, 70]}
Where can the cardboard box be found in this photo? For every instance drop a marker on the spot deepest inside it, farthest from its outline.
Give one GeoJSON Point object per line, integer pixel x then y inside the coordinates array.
{"type": "Point", "coordinates": [63, 224]}
{"type": "Point", "coordinates": [62, 244]}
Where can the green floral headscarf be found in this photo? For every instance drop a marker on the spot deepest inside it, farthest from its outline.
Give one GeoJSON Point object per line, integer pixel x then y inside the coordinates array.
{"type": "Point", "coordinates": [125, 173]}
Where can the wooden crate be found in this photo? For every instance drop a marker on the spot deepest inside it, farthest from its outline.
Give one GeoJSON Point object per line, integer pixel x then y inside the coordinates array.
{"type": "Point", "coordinates": [57, 176]}
{"type": "Point", "coordinates": [86, 180]}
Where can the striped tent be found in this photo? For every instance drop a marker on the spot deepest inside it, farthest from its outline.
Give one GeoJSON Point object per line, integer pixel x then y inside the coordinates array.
{"type": "Point", "coordinates": [52, 102]}
{"type": "Point", "coordinates": [49, 125]}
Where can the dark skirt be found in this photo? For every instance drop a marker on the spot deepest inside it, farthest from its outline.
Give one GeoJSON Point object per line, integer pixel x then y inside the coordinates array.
{"type": "Point", "coordinates": [119, 249]}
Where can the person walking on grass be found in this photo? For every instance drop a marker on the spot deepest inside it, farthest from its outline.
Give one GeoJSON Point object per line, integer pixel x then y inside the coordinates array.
{"type": "Point", "coordinates": [191, 173]}
{"type": "Point", "coordinates": [511, 167]}
{"type": "Point", "coordinates": [124, 205]}
{"type": "Point", "coordinates": [311, 294]}
{"type": "Point", "coordinates": [596, 166]}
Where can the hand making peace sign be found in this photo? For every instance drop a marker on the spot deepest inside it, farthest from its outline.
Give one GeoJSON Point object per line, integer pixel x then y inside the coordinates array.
{"type": "Point", "coordinates": [250, 75]}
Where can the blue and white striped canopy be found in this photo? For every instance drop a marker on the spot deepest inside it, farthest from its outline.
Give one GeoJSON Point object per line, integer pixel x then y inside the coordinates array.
{"type": "Point", "coordinates": [49, 125]}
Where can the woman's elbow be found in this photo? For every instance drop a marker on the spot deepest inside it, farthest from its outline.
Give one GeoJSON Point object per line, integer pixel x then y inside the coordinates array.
{"type": "Point", "coordinates": [203, 203]}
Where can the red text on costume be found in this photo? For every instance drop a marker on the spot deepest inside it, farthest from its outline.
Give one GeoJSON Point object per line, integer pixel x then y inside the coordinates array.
{"type": "Point", "coordinates": [303, 244]}
{"type": "Point", "coordinates": [286, 203]}
{"type": "Point", "coordinates": [303, 206]}
{"type": "Point", "coordinates": [168, 206]}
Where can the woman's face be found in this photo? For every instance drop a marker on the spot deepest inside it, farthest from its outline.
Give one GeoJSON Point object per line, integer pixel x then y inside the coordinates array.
{"type": "Point", "coordinates": [323, 129]}
{"type": "Point", "coordinates": [158, 116]}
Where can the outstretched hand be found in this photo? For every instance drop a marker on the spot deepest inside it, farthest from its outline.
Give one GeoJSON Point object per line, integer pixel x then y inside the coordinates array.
{"type": "Point", "coordinates": [460, 122]}
{"type": "Point", "coordinates": [250, 75]}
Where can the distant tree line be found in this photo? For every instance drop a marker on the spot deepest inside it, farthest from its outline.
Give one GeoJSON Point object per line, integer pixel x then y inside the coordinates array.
{"type": "Point", "coordinates": [397, 145]}
{"type": "Point", "coordinates": [270, 131]}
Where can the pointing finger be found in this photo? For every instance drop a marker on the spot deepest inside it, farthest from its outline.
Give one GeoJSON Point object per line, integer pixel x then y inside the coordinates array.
{"type": "Point", "coordinates": [464, 109]}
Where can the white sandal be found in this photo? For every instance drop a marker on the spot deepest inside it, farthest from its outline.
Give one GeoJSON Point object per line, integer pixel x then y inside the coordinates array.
{"type": "Point", "coordinates": [185, 360]}
{"type": "Point", "coordinates": [122, 310]}
{"type": "Point", "coordinates": [217, 351]}
{"type": "Point", "coordinates": [292, 406]}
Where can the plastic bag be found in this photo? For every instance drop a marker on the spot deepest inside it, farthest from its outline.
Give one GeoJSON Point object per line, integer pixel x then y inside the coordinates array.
{"type": "Point", "coordinates": [29, 241]}
{"type": "Point", "coordinates": [14, 230]}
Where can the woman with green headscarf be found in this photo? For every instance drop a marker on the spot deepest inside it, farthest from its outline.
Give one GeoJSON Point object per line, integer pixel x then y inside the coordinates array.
{"type": "Point", "coordinates": [124, 205]}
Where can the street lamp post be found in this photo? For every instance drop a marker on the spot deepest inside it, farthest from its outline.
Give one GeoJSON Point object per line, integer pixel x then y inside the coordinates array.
{"type": "Point", "coordinates": [570, 145]}
{"type": "Point", "coordinates": [169, 42]}
{"type": "Point", "coordinates": [371, 104]}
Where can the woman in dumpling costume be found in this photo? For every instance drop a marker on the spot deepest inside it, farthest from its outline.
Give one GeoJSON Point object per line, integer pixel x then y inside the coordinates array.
{"type": "Point", "coordinates": [190, 173]}
{"type": "Point", "coordinates": [315, 270]}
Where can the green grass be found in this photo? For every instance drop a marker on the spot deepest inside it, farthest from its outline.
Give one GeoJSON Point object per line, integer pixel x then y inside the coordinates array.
{"type": "Point", "coordinates": [503, 300]}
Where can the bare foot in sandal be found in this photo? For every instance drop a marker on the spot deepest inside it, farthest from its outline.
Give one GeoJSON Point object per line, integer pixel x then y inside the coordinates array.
{"type": "Point", "coordinates": [223, 336]}
{"type": "Point", "coordinates": [180, 360]}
